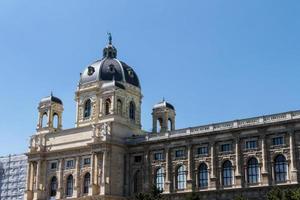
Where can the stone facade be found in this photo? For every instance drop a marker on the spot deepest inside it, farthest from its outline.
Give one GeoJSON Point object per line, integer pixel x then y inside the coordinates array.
{"type": "Point", "coordinates": [108, 156]}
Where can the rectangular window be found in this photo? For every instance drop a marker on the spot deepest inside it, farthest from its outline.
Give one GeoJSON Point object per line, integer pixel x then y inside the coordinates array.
{"type": "Point", "coordinates": [202, 150]}
{"type": "Point", "coordinates": [179, 153]}
{"type": "Point", "coordinates": [137, 159]}
{"type": "Point", "coordinates": [53, 165]}
{"type": "Point", "coordinates": [278, 140]}
{"type": "Point", "coordinates": [251, 144]}
{"type": "Point", "coordinates": [226, 147]}
{"type": "Point", "coordinates": [70, 164]}
{"type": "Point", "coordinates": [158, 156]}
{"type": "Point", "coordinates": [86, 161]}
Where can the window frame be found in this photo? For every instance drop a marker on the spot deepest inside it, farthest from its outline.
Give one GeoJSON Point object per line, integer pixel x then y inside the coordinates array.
{"type": "Point", "coordinates": [227, 176]}
{"type": "Point", "coordinates": [277, 138]}
{"type": "Point", "coordinates": [51, 163]}
{"type": "Point", "coordinates": [160, 178]}
{"type": "Point", "coordinates": [86, 183]}
{"type": "Point", "coordinates": [73, 164]}
{"type": "Point", "coordinates": [225, 150]}
{"type": "Point", "coordinates": [281, 169]}
{"type": "Point", "coordinates": [206, 152]}
{"type": "Point", "coordinates": [159, 158]}
{"type": "Point", "coordinates": [87, 108]}
{"type": "Point", "coordinates": [203, 176]}
{"type": "Point", "coordinates": [70, 186]}
{"type": "Point", "coordinates": [250, 142]}
{"type": "Point", "coordinates": [253, 171]}
{"type": "Point", "coordinates": [181, 177]}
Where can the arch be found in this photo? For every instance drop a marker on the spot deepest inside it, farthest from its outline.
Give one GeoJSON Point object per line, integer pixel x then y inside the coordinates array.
{"type": "Point", "coordinates": [69, 186]}
{"type": "Point", "coordinates": [86, 183]}
{"type": "Point", "coordinates": [44, 120]}
{"type": "Point", "coordinates": [280, 168]}
{"type": "Point", "coordinates": [181, 177]}
{"type": "Point", "coordinates": [55, 120]}
{"type": "Point", "coordinates": [137, 182]}
{"type": "Point", "coordinates": [160, 178]}
{"type": "Point", "coordinates": [227, 173]}
{"type": "Point", "coordinates": [132, 110]}
{"type": "Point", "coordinates": [107, 106]}
{"type": "Point", "coordinates": [252, 171]}
{"type": "Point", "coordinates": [53, 186]}
{"type": "Point", "coordinates": [170, 124]}
{"type": "Point", "coordinates": [203, 176]}
{"type": "Point", "coordinates": [159, 124]}
{"type": "Point", "coordinates": [87, 108]}
{"type": "Point", "coordinates": [119, 107]}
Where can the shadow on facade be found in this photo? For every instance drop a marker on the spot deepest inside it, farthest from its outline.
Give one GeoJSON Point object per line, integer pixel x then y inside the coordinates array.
{"type": "Point", "coordinates": [1, 177]}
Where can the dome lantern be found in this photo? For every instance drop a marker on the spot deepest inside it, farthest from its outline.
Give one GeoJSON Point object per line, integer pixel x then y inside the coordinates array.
{"type": "Point", "coordinates": [109, 51]}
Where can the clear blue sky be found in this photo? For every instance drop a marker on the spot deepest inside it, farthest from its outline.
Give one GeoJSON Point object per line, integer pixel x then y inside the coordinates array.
{"type": "Point", "coordinates": [213, 60]}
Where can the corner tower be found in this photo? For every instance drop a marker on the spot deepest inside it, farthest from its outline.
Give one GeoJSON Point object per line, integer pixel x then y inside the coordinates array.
{"type": "Point", "coordinates": [163, 116]}
{"type": "Point", "coordinates": [50, 114]}
{"type": "Point", "coordinates": [109, 91]}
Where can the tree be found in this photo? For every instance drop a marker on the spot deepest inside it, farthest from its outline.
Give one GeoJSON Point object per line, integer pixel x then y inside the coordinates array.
{"type": "Point", "coordinates": [153, 194]}
{"type": "Point", "coordinates": [192, 196]}
{"type": "Point", "coordinates": [240, 197]}
{"type": "Point", "coordinates": [275, 194]}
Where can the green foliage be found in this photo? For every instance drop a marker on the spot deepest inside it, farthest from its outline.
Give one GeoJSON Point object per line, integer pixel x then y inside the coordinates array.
{"type": "Point", "coordinates": [153, 194]}
{"type": "Point", "coordinates": [240, 197]}
{"type": "Point", "coordinates": [192, 196]}
{"type": "Point", "coordinates": [288, 194]}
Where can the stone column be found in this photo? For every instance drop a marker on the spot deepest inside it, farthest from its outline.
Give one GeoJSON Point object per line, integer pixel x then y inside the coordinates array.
{"type": "Point", "coordinates": [77, 188]}
{"type": "Point", "coordinates": [104, 181]}
{"type": "Point", "coordinates": [212, 182]}
{"type": "Point", "coordinates": [190, 168]}
{"type": "Point", "coordinates": [148, 178]}
{"type": "Point", "coordinates": [168, 168]}
{"type": "Point", "coordinates": [264, 169]}
{"type": "Point", "coordinates": [94, 174]}
{"type": "Point", "coordinates": [60, 178]}
{"type": "Point", "coordinates": [238, 181]}
{"type": "Point", "coordinates": [38, 175]}
{"type": "Point", "coordinates": [293, 168]}
{"type": "Point", "coordinates": [29, 182]}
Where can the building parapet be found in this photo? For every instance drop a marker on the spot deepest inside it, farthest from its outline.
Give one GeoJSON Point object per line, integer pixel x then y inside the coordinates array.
{"type": "Point", "coordinates": [235, 124]}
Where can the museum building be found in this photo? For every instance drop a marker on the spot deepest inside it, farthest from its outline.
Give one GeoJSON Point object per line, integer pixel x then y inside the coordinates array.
{"type": "Point", "coordinates": [108, 155]}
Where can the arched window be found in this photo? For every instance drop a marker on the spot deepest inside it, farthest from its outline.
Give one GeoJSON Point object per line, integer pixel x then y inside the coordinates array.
{"type": "Point", "coordinates": [252, 170]}
{"type": "Point", "coordinates": [119, 107]}
{"type": "Point", "coordinates": [44, 120]}
{"type": "Point", "coordinates": [137, 182]}
{"type": "Point", "coordinates": [87, 108]}
{"type": "Point", "coordinates": [86, 183]}
{"type": "Point", "coordinates": [132, 110]}
{"type": "Point", "coordinates": [53, 186]}
{"type": "Point", "coordinates": [227, 173]}
{"type": "Point", "coordinates": [280, 168]}
{"type": "Point", "coordinates": [160, 179]}
{"type": "Point", "coordinates": [181, 178]}
{"type": "Point", "coordinates": [107, 106]}
{"type": "Point", "coordinates": [203, 176]}
{"type": "Point", "coordinates": [69, 188]}
{"type": "Point", "coordinates": [55, 120]}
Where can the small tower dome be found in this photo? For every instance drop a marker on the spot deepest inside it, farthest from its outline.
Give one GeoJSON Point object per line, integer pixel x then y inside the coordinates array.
{"type": "Point", "coordinates": [50, 114]}
{"type": "Point", "coordinates": [163, 116]}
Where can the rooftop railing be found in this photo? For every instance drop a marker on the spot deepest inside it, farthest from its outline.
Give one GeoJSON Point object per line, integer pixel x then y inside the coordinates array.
{"type": "Point", "coordinates": [268, 119]}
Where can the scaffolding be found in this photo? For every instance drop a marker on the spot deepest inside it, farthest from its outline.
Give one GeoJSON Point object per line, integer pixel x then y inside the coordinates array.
{"type": "Point", "coordinates": [13, 177]}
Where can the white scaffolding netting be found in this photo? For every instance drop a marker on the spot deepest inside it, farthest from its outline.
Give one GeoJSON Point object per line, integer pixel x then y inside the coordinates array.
{"type": "Point", "coordinates": [13, 177]}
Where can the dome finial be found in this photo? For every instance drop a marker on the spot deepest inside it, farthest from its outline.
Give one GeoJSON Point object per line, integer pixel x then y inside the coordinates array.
{"type": "Point", "coordinates": [109, 38]}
